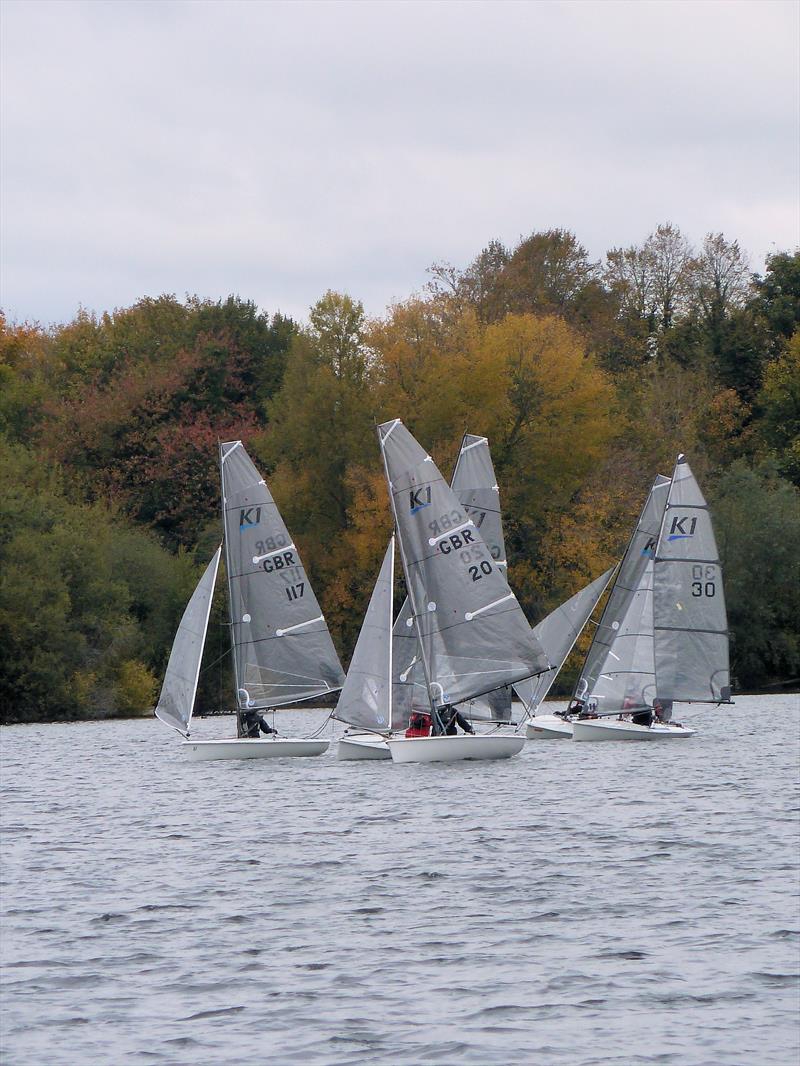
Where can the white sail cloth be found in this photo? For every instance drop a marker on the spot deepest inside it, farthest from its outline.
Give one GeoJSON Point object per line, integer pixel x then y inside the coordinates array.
{"type": "Point", "coordinates": [473, 635]}
{"type": "Point", "coordinates": [366, 696]}
{"type": "Point", "coordinates": [176, 702]}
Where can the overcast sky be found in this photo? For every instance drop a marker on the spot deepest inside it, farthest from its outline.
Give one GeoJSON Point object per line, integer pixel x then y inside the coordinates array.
{"type": "Point", "coordinates": [276, 150]}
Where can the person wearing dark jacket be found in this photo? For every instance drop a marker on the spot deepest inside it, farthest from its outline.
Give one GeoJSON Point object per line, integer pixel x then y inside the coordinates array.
{"type": "Point", "coordinates": [451, 718]}
{"type": "Point", "coordinates": [250, 722]}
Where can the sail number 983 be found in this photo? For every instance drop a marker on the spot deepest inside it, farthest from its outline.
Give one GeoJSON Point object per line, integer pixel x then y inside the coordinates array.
{"type": "Point", "coordinates": [704, 581]}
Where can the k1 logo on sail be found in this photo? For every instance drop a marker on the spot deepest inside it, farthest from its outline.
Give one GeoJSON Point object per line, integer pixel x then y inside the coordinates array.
{"type": "Point", "coordinates": [419, 498]}
{"type": "Point", "coordinates": [249, 516]}
{"type": "Point", "coordinates": [678, 530]}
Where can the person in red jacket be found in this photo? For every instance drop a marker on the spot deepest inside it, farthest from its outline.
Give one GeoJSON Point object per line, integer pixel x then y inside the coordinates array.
{"type": "Point", "coordinates": [419, 725]}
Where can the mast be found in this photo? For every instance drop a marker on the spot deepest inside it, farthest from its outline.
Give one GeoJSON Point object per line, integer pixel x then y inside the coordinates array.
{"type": "Point", "coordinates": [409, 585]}
{"type": "Point", "coordinates": [389, 631]}
{"type": "Point", "coordinates": [222, 457]}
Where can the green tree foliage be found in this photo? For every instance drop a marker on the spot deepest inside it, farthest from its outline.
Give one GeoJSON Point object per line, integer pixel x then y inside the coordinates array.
{"type": "Point", "coordinates": [81, 594]}
{"type": "Point", "coordinates": [757, 520]}
{"type": "Point", "coordinates": [587, 379]}
{"type": "Point", "coordinates": [779, 400]}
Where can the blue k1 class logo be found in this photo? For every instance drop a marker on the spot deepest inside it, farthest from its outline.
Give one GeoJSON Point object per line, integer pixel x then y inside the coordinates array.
{"type": "Point", "coordinates": [419, 498]}
{"type": "Point", "coordinates": [249, 516]}
{"type": "Point", "coordinates": [679, 530]}
{"type": "Point", "coordinates": [649, 550]}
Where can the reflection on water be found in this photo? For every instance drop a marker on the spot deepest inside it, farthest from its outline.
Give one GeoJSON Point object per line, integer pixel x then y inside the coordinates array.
{"type": "Point", "coordinates": [579, 904]}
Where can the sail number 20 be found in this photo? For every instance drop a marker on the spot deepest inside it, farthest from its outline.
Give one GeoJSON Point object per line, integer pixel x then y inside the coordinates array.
{"type": "Point", "coordinates": [703, 581]}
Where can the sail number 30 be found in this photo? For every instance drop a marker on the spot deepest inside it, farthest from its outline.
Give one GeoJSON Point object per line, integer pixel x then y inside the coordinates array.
{"type": "Point", "coordinates": [703, 581]}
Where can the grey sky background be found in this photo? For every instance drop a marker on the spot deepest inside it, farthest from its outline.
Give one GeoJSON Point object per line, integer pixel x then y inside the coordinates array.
{"type": "Point", "coordinates": [275, 150]}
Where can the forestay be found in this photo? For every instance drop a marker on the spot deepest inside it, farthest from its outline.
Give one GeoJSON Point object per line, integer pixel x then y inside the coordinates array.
{"type": "Point", "coordinates": [176, 702]}
{"type": "Point", "coordinates": [557, 634]}
{"type": "Point", "coordinates": [365, 699]}
{"type": "Point", "coordinates": [283, 651]}
{"type": "Point", "coordinates": [691, 629]}
{"type": "Point", "coordinates": [640, 550]}
{"type": "Point", "coordinates": [472, 632]}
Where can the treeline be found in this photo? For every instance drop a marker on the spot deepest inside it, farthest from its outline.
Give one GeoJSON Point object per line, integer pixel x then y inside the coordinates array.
{"type": "Point", "coordinates": [588, 378]}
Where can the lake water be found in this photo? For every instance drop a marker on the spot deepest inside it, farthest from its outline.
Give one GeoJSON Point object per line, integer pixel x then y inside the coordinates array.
{"type": "Point", "coordinates": [579, 904]}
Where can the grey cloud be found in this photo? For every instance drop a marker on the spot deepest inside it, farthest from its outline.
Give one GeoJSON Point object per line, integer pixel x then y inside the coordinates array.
{"type": "Point", "coordinates": [275, 150]}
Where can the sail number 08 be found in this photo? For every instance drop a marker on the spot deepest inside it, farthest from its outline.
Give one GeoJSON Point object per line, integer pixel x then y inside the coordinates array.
{"type": "Point", "coordinates": [703, 581]}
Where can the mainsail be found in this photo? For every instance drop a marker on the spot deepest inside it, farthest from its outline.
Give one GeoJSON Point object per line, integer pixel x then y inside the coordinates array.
{"type": "Point", "coordinates": [472, 634]}
{"type": "Point", "coordinates": [283, 651]}
{"type": "Point", "coordinates": [691, 630]}
{"type": "Point", "coordinates": [639, 552]}
{"type": "Point", "coordinates": [475, 484]}
{"type": "Point", "coordinates": [365, 699]}
{"type": "Point", "coordinates": [557, 634]}
{"type": "Point", "coordinates": [176, 702]}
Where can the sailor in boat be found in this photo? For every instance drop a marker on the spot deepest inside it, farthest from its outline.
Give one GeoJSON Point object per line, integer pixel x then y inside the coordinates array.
{"type": "Point", "coordinates": [662, 710]}
{"type": "Point", "coordinates": [419, 725]}
{"type": "Point", "coordinates": [576, 708]}
{"type": "Point", "coordinates": [251, 722]}
{"type": "Point", "coordinates": [451, 718]}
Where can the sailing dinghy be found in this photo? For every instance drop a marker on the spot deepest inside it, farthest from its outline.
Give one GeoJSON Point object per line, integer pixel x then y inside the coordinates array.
{"type": "Point", "coordinates": [670, 640]}
{"type": "Point", "coordinates": [282, 651]}
{"type": "Point", "coordinates": [472, 637]}
{"type": "Point", "coordinates": [475, 484]}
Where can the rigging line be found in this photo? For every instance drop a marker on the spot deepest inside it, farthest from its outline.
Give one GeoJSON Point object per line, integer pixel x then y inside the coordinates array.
{"type": "Point", "coordinates": [317, 732]}
{"type": "Point", "coordinates": [218, 659]}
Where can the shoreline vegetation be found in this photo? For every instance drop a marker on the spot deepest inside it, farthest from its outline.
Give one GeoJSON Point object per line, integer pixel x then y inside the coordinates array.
{"type": "Point", "coordinates": [148, 712]}
{"type": "Point", "coordinates": [587, 377]}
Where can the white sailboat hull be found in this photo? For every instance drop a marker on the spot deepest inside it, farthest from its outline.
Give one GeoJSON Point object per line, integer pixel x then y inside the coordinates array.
{"type": "Point", "coordinates": [363, 747]}
{"type": "Point", "coordinates": [599, 729]}
{"type": "Point", "coordinates": [454, 748]}
{"type": "Point", "coordinates": [241, 748]}
{"type": "Point", "coordinates": [548, 727]}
